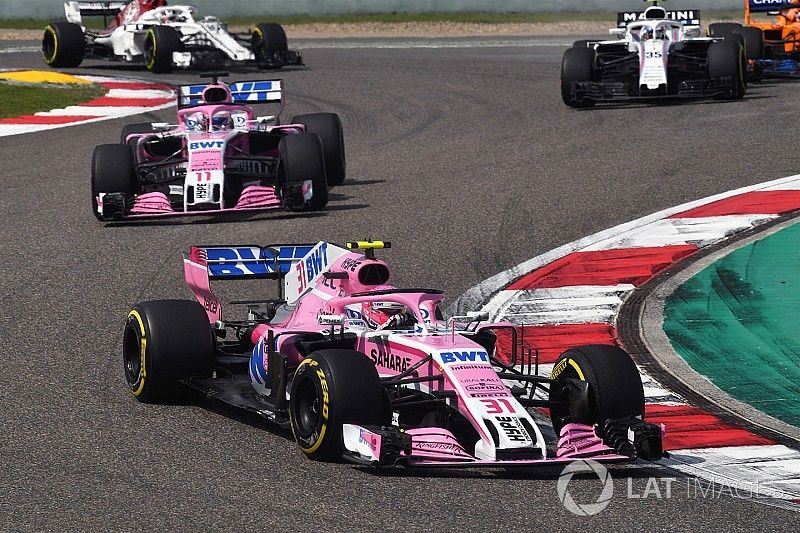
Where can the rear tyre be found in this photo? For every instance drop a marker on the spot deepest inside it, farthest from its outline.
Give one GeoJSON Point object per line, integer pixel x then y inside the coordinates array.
{"type": "Point", "coordinates": [722, 29]}
{"type": "Point", "coordinates": [331, 388]}
{"type": "Point", "coordinates": [302, 159]}
{"type": "Point", "coordinates": [726, 60]}
{"type": "Point", "coordinates": [577, 65]}
{"type": "Point", "coordinates": [112, 172]}
{"type": "Point", "coordinates": [753, 42]}
{"type": "Point", "coordinates": [63, 44]}
{"type": "Point", "coordinates": [159, 44]}
{"type": "Point", "coordinates": [615, 387]}
{"type": "Point", "coordinates": [268, 42]}
{"type": "Point", "coordinates": [328, 127]}
{"type": "Point", "coordinates": [130, 129]}
{"type": "Point", "coordinates": [165, 341]}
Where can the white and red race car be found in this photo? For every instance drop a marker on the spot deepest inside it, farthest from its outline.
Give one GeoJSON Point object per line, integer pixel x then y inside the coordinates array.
{"type": "Point", "coordinates": [162, 37]}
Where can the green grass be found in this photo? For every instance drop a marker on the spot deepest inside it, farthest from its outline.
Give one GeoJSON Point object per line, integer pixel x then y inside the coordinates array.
{"type": "Point", "coordinates": [24, 99]}
{"type": "Point", "coordinates": [476, 18]}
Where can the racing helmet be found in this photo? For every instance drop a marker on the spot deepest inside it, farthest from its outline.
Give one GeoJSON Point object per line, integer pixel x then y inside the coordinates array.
{"type": "Point", "coordinates": [196, 122]}
{"type": "Point", "coordinates": [646, 33]}
{"type": "Point", "coordinates": [222, 121]}
{"type": "Point", "coordinates": [387, 315]}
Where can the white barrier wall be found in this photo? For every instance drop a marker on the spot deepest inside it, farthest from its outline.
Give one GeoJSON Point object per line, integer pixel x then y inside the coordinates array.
{"type": "Point", "coordinates": [49, 9]}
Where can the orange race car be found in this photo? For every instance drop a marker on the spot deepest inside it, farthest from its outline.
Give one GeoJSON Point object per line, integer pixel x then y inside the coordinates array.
{"type": "Point", "coordinates": [772, 46]}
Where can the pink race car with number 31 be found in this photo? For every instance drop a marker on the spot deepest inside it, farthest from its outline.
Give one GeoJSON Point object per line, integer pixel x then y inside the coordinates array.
{"type": "Point", "coordinates": [371, 373]}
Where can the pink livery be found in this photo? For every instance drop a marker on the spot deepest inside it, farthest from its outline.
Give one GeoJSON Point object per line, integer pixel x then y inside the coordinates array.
{"type": "Point", "coordinates": [219, 156]}
{"type": "Point", "coordinates": [375, 374]}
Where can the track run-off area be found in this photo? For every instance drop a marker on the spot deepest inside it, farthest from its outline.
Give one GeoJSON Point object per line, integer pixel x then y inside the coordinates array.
{"type": "Point", "coordinates": [467, 161]}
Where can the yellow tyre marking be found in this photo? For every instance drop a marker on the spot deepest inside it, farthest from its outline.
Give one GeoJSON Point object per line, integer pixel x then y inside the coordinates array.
{"type": "Point", "coordinates": [574, 365]}
{"type": "Point", "coordinates": [323, 386]}
{"type": "Point", "coordinates": [55, 45]}
{"type": "Point", "coordinates": [142, 350]}
{"type": "Point", "coordinates": [152, 35]}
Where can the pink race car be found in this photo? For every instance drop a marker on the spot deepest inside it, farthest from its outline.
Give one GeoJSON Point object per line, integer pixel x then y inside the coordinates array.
{"type": "Point", "coordinates": [219, 156]}
{"type": "Point", "coordinates": [371, 373]}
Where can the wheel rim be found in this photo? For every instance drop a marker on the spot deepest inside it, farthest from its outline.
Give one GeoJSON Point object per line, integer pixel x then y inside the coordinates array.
{"type": "Point", "coordinates": [306, 408]}
{"type": "Point", "coordinates": [49, 45]}
{"type": "Point", "coordinates": [131, 354]}
{"type": "Point", "coordinates": [150, 50]}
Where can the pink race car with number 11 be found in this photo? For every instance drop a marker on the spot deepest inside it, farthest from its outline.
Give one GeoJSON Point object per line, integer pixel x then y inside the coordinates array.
{"type": "Point", "coordinates": [219, 156]}
{"type": "Point", "coordinates": [365, 371]}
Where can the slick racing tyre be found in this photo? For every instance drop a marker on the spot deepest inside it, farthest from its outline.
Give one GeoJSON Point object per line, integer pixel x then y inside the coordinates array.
{"type": "Point", "coordinates": [159, 44]}
{"type": "Point", "coordinates": [576, 66]}
{"type": "Point", "coordinates": [63, 44]}
{"type": "Point", "coordinates": [268, 42]}
{"type": "Point", "coordinates": [753, 42]}
{"type": "Point", "coordinates": [301, 159]}
{"type": "Point", "coordinates": [722, 29]}
{"type": "Point", "coordinates": [726, 60]}
{"type": "Point", "coordinates": [112, 172]}
{"type": "Point", "coordinates": [328, 127]}
{"type": "Point", "coordinates": [331, 388]}
{"type": "Point", "coordinates": [130, 129]}
{"type": "Point", "coordinates": [615, 387]}
{"type": "Point", "coordinates": [165, 341]}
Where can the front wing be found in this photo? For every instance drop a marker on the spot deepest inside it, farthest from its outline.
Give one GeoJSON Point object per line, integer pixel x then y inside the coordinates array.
{"type": "Point", "coordinates": [614, 91]}
{"type": "Point", "coordinates": [438, 448]}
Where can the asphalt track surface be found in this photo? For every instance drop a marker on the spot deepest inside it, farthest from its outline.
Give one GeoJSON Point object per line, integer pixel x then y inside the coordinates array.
{"type": "Point", "coordinates": [468, 162]}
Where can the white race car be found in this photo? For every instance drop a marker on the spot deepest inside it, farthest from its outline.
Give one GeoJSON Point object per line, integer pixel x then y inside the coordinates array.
{"type": "Point", "coordinates": [655, 54]}
{"type": "Point", "coordinates": [162, 37]}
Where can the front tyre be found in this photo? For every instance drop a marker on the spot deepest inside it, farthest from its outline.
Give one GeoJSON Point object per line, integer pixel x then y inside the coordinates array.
{"type": "Point", "coordinates": [269, 44]}
{"type": "Point", "coordinates": [159, 44]}
{"type": "Point", "coordinates": [726, 60]}
{"type": "Point", "coordinates": [331, 388]}
{"type": "Point", "coordinates": [112, 172]}
{"type": "Point", "coordinates": [63, 44]}
{"type": "Point", "coordinates": [577, 65]}
{"type": "Point", "coordinates": [301, 160]}
{"type": "Point", "coordinates": [615, 386]}
{"type": "Point", "coordinates": [328, 127]}
{"type": "Point", "coordinates": [165, 341]}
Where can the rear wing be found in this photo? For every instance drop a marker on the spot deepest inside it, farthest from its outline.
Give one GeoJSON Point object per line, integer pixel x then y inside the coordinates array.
{"type": "Point", "coordinates": [205, 263]}
{"type": "Point", "coordinates": [687, 17]}
{"type": "Point", "coordinates": [74, 11]}
{"type": "Point", "coordinates": [242, 92]}
{"type": "Point", "coordinates": [771, 7]}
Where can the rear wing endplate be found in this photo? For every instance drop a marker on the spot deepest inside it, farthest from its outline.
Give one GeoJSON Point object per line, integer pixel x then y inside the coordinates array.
{"type": "Point", "coordinates": [205, 263]}
{"type": "Point", "coordinates": [74, 11]}
{"type": "Point", "coordinates": [687, 17]}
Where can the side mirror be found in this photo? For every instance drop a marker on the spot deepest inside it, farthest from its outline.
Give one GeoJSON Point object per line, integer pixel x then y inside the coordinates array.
{"type": "Point", "coordinates": [162, 126]}
{"type": "Point", "coordinates": [478, 316]}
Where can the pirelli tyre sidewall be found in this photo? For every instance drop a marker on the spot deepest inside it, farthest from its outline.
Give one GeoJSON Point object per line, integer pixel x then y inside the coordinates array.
{"type": "Point", "coordinates": [165, 341]}
{"type": "Point", "coordinates": [159, 44]}
{"type": "Point", "coordinates": [63, 44]}
{"type": "Point", "coordinates": [331, 388]}
{"type": "Point", "coordinates": [615, 386]}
